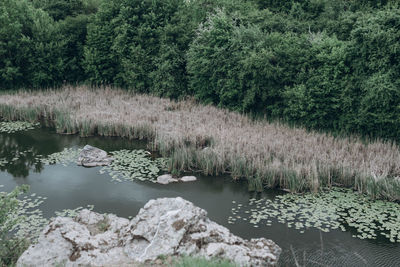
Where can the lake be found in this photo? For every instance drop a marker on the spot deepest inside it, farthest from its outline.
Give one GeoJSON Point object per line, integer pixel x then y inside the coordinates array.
{"type": "Point", "coordinates": [72, 186]}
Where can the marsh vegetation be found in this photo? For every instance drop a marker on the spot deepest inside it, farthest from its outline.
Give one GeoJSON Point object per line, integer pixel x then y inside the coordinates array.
{"type": "Point", "coordinates": [216, 141]}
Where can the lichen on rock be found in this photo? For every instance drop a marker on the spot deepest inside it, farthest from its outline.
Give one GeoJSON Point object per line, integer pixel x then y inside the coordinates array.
{"type": "Point", "coordinates": [166, 226]}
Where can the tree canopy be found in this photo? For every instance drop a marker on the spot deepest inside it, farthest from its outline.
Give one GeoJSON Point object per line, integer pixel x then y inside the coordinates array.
{"type": "Point", "coordinates": [324, 64]}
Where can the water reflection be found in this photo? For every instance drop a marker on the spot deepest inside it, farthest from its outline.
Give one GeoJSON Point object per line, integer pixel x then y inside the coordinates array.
{"type": "Point", "coordinates": [19, 158]}
{"type": "Point", "coordinates": [21, 150]}
{"type": "Point", "coordinates": [73, 186]}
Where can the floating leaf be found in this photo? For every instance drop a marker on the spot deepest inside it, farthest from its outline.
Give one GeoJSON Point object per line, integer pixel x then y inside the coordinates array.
{"type": "Point", "coordinates": [16, 126]}
{"type": "Point", "coordinates": [134, 165]}
{"type": "Point", "coordinates": [65, 157]}
{"type": "Point", "coordinates": [328, 210]}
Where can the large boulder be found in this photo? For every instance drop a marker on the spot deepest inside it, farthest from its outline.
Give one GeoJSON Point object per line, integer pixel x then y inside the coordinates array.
{"type": "Point", "coordinates": [166, 226]}
{"type": "Point", "coordinates": [92, 156]}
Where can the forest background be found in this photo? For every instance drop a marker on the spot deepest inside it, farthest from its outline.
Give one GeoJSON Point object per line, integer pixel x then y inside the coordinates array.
{"type": "Point", "coordinates": [330, 65]}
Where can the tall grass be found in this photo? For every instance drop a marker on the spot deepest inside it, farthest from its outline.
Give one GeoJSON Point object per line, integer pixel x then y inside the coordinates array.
{"type": "Point", "coordinates": [217, 141]}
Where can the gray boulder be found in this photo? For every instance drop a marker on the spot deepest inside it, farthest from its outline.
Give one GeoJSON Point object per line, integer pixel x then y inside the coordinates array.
{"type": "Point", "coordinates": [166, 226]}
{"type": "Point", "coordinates": [92, 156]}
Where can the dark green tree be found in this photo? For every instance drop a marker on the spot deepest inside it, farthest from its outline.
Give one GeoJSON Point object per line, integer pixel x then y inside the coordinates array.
{"type": "Point", "coordinates": [31, 46]}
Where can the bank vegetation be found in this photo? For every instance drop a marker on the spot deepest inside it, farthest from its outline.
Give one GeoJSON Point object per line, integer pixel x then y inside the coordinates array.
{"type": "Point", "coordinates": [215, 141]}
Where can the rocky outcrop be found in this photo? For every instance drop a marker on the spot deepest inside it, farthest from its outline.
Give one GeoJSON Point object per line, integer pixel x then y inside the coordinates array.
{"type": "Point", "coordinates": [166, 226]}
{"type": "Point", "coordinates": [92, 156]}
{"type": "Point", "coordinates": [167, 179]}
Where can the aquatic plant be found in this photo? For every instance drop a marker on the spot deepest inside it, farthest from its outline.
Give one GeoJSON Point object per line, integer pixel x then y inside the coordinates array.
{"type": "Point", "coordinates": [134, 165]}
{"type": "Point", "coordinates": [217, 141]}
{"type": "Point", "coordinates": [71, 213]}
{"type": "Point", "coordinates": [3, 162]}
{"type": "Point", "coordinates": [16, 126]}
{"type": "Point", "coordinates": [65, 157]}
{"type": "Point", "coordinates": [328, 210]}
{"type": "Point", "coordinates": [31, 220]}
{"type": "Point", "coordinates": [25, 220]}
{"type": "Point", "coordinates": [21, 222]}
{"type": "Point", "coordinates": [127, 164]}
{"type": "Point", "coordinates": [10, 246]}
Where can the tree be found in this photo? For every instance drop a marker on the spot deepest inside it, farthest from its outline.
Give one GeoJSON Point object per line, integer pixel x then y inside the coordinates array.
{"type": "Point", "coordinates": [30, 46]}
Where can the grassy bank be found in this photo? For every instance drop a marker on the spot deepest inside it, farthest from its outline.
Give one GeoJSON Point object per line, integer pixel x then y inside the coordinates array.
{"type": "Point", "coordinates": [216, 141]}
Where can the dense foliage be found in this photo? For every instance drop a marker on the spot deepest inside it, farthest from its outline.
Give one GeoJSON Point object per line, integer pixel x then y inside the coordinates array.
{"type": "Point", "coordinates": [10, 247]}
{"type": "Point", "coordinates": [325, 64]}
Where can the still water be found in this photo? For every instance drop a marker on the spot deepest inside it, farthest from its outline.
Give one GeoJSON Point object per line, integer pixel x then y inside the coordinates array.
{"type": "Point", "coordinates": [69, 187]}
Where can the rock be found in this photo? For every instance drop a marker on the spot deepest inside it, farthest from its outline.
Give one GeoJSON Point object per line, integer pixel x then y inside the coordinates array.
{"type": "Point", "coordinates": [188, 179]}
{"type": "Point", "coordinates": [92, 156]}
{"type": "Point", "coordinates": [166, 179]}
{"type": "Point", "coordinates": [166, 226]}
{"type": "Point", "coordinates": [88, 239]}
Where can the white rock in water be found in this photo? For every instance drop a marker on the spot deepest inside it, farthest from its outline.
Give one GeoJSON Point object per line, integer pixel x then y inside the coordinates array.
{"type": "Point", "coordinates": [188, 179]}
{"type": "Point", "coordinates": [92, 156]}
{"type": "Point", "coordinates": [166, 226]}
{"type": "Point", "coordinates": [166, 179]}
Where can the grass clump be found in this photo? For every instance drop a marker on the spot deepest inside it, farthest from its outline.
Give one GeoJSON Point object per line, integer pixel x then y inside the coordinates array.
{"type": "Point", "coordinates": [189, 261]}
{"type": "Point", "coordinates": [217, 141]}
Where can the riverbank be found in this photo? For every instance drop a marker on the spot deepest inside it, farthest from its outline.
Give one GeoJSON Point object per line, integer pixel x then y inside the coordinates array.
{"type": "Point", "coordinates": [216, 141]}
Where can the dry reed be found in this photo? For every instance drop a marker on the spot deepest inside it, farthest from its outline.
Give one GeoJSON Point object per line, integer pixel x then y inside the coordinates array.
{"type": "Point", "coordinates": [216, 141]}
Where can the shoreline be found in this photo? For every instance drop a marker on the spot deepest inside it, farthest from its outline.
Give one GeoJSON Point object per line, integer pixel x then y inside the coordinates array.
{"type": "Point", "coordinates": [216, 141]}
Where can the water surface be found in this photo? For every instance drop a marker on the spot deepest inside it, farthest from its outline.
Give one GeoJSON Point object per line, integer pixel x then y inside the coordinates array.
{"type": "Point", "coordinates": [69, 187]}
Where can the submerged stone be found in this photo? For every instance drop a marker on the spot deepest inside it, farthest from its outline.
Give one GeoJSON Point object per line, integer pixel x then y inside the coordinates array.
{"type": "Point", "coordinates": [166, 179]}
{"type": "Point", "coordinates": [166, 226]}
{"type": "Point", "coordinates": [188, 179]}
{"type": "Point", "coordinates": [92, 156]}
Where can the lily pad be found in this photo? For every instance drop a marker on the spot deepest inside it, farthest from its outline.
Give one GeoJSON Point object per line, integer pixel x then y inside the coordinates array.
{"type": "Point", "coordinates": [328, 210]}
{"type": "Point", "coordinates": [134, 165]}
{"type": "Point", "coordinates": [16, 126]}
{"type": "Point", "coordinates": [65, 157]}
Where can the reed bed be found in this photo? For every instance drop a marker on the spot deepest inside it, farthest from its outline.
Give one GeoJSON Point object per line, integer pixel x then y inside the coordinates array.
{"type": "Point", "coordinates": [216, 141]}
